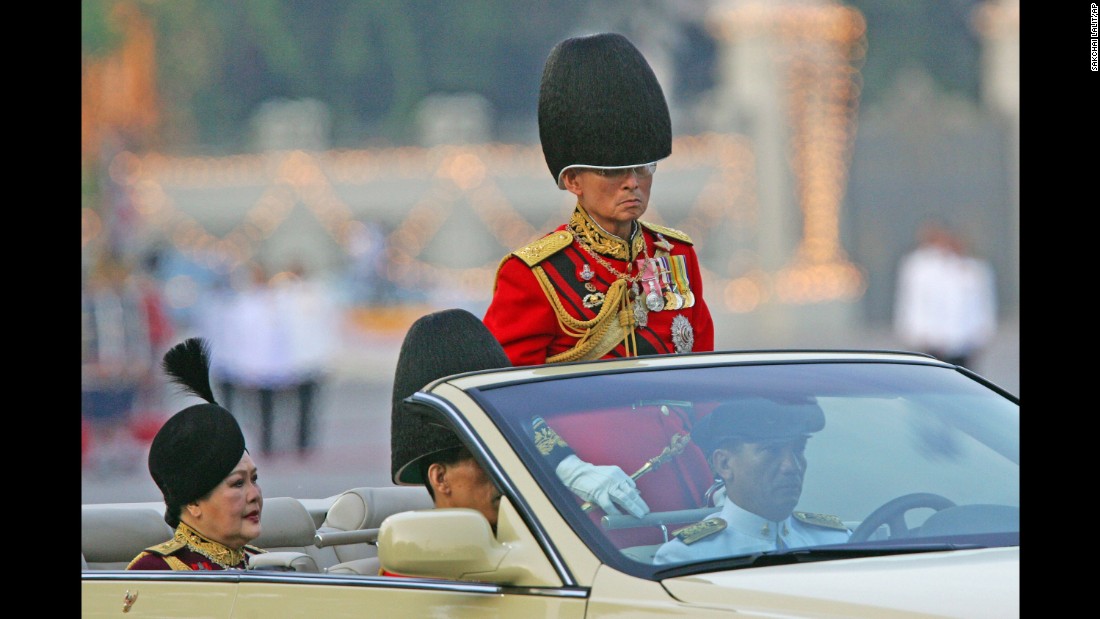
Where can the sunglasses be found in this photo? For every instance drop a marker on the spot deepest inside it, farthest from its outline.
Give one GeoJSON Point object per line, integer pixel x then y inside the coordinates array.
{"type": "Point", "coordinates": [641, 171]}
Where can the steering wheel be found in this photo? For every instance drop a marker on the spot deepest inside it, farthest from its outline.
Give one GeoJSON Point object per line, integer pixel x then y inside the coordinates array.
{"type": "Point", "coordinates": [892, 513]}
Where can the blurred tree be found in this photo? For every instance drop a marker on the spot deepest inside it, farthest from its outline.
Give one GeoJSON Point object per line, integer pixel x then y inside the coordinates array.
{"type": "Point", "coordinates": [934, 35]}
{"type": "Point", "coordinates": [118, 83]}
{"type": "Point", "coordinates": [372, 62]}
{"type": "Point", "coordinates": [99, 35]}
{"type": "Point", "coordinates": [118, 106]}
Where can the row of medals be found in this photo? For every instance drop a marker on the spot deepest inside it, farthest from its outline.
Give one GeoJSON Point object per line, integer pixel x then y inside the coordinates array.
{"type": "Point", "coordinates": [664, 280]}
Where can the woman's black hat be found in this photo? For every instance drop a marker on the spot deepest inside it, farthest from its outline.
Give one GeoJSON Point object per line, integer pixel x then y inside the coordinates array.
{"type": "Point", "coordinates": [600, 105]}
{"type": "Point", "coordinates": [440, 344]}
{"type": "Point", "coordinates": [197, 447]}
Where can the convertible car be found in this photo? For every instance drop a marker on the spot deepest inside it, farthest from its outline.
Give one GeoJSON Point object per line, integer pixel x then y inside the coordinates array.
{"type": "Point", "coordinates": [911, 465]}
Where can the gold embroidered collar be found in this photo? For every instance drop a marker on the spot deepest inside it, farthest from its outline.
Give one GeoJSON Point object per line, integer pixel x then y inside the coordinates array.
{"type": "Point", "coordinates": [603, 242]}
{"type": "Point", "coordinates": [215, 551]}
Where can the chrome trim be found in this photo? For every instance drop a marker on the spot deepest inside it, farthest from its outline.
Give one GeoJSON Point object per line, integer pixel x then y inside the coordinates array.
{"type": "Point", "coordinates": [523, 374]}
{"type": "Point", "coordinates": [387, 582]}
{"type": "Point", "coordinates": [143, 575]}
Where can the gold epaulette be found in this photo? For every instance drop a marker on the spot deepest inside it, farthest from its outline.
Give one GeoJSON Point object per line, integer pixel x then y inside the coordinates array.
{"type": "Point", "coordinates": [256, 550]}
{"type": "Point", "coordinates": [541, 249]}
{"type": "Point", "coordinates": [679, 235]}
{"type": "Point", "coordinates": [820, 520]}
{"type": "Point", "coordinates": [166, 548]}
{"type": "Point", "coordinates": [695, 532]}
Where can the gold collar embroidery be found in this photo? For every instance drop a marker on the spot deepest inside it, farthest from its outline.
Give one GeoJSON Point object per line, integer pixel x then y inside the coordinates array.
{"type": "Point", "coordinates": [216, 552]}
{"type": "Point", "coordinates": [601, 241]}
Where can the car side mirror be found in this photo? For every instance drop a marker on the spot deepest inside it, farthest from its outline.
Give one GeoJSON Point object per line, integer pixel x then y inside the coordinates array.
{"type": "Point", "coordinates": [447, 543]}
{"type": "Point", "coordinates": [458, 544]}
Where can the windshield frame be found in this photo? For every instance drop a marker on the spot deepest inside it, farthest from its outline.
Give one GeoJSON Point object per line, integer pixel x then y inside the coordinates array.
{"type": "Point", "coordinates": [591, 534]}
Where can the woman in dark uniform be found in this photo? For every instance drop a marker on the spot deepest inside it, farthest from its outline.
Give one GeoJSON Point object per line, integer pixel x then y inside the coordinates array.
{"type": "Point", "coordinates": [209, 482]}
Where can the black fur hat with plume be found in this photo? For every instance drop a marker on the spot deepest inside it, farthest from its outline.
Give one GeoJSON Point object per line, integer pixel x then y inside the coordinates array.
{"type": "Point", "coordinates": [199, 446]}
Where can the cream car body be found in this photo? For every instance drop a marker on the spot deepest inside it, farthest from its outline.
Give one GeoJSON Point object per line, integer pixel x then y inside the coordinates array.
{"type": "Point", "coordinates": [546, 559]}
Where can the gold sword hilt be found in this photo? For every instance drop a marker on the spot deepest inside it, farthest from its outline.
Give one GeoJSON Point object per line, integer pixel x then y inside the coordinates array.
{"type": "Point", "coordinates": [675, 447]}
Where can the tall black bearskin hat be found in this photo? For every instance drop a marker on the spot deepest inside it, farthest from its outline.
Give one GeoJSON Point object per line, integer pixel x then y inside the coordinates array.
{"type": "Point", "coordinates": [600, 105]}
{"type": "Point", "coordinates": [199, 446]}
{"type": "Point", "coordinates": [439, 344]}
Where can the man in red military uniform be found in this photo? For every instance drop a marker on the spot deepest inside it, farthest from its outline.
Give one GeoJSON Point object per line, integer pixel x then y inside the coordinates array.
{"type": "Point", "coordinates": [606, 284]}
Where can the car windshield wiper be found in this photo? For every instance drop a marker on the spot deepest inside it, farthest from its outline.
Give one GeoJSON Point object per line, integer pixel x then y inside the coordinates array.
{"type": "Point", "coordinates": [807, 555]}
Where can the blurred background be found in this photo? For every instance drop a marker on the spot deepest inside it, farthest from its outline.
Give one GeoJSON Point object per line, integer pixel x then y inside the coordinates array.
{"type": "Point", "coordinates": [299, 181]}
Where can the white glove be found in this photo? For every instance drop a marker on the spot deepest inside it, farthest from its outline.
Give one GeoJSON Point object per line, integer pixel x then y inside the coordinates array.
{"type": "Point", "coordinates": [602, 485]}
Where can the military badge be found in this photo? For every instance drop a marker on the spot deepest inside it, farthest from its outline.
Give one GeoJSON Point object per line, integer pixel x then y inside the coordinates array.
{"type": "Point", "coordinates": [680, 280]}
{"type": "Point", "coordinates": [683, 335]}
{"type": "Point", "coordinates": [593, 300]}
{"type": "Point", "coordinates": [648, 271]}
{"type": "Point", "coordinates": [641, 313]}
{"type": "Point", "coordinates": [673, 300]}
{"type": "Point", "coordinates": [586, 273]}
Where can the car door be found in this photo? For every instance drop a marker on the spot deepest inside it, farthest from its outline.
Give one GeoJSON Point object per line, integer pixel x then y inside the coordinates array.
{"type": "Point", "coordinates": [333, 596]}
{"type": "Point", "coordinates": [158, 594]}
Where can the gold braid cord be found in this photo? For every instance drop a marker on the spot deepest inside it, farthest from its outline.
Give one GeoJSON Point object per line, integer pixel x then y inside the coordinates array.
{"type": "Point", "coordinates": [596, 337]}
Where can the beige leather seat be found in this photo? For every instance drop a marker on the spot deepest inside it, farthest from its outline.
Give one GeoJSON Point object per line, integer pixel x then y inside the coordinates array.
{"type": "Point", "coordinates": [362, 510]}
{"type": "Point", "coordinates": [111, 537]}
{"type": "Point", "coordinates": [370, 566]}
{"type": "Point", "coordinates": [287, 526]}
{"type": "Point", "coordinates": [365, 508]}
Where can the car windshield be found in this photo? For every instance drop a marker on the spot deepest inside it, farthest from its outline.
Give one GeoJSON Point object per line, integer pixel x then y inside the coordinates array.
{"type": "Point", "coordinates": [901, 457]}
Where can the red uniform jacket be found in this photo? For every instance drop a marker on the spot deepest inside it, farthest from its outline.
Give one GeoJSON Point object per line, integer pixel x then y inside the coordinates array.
{"type": "Point", "coordinates": [542, 317]}
{"type": "Point", "coordinates": [188, 550]}
{"type": "Point", "coordinates": [533, 328]}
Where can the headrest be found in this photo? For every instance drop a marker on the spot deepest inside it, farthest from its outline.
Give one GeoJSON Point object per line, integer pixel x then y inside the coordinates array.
{"type": "Point", "coordinates": [118, 534]}
{"type": "Point", "coordinates": [366, 508]}
{"type": "Point", "coordinates": [285, 522]}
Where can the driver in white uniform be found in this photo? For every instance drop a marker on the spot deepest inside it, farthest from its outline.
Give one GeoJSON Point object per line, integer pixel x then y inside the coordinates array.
{"type": "Point", "coordinates": [757, 447]}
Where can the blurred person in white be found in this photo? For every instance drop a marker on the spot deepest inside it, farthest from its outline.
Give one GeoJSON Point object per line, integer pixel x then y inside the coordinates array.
{"type": "Point", "coordinates": [116, 359]}
{"type": "Point", "coordinates": [279, 335]}
{"type": "Point", "coordinates": [945, 302]}
{"type": "Point", "coordinates": [312, 321]}
{"type": "Point", "coordinates": [256, 358]}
